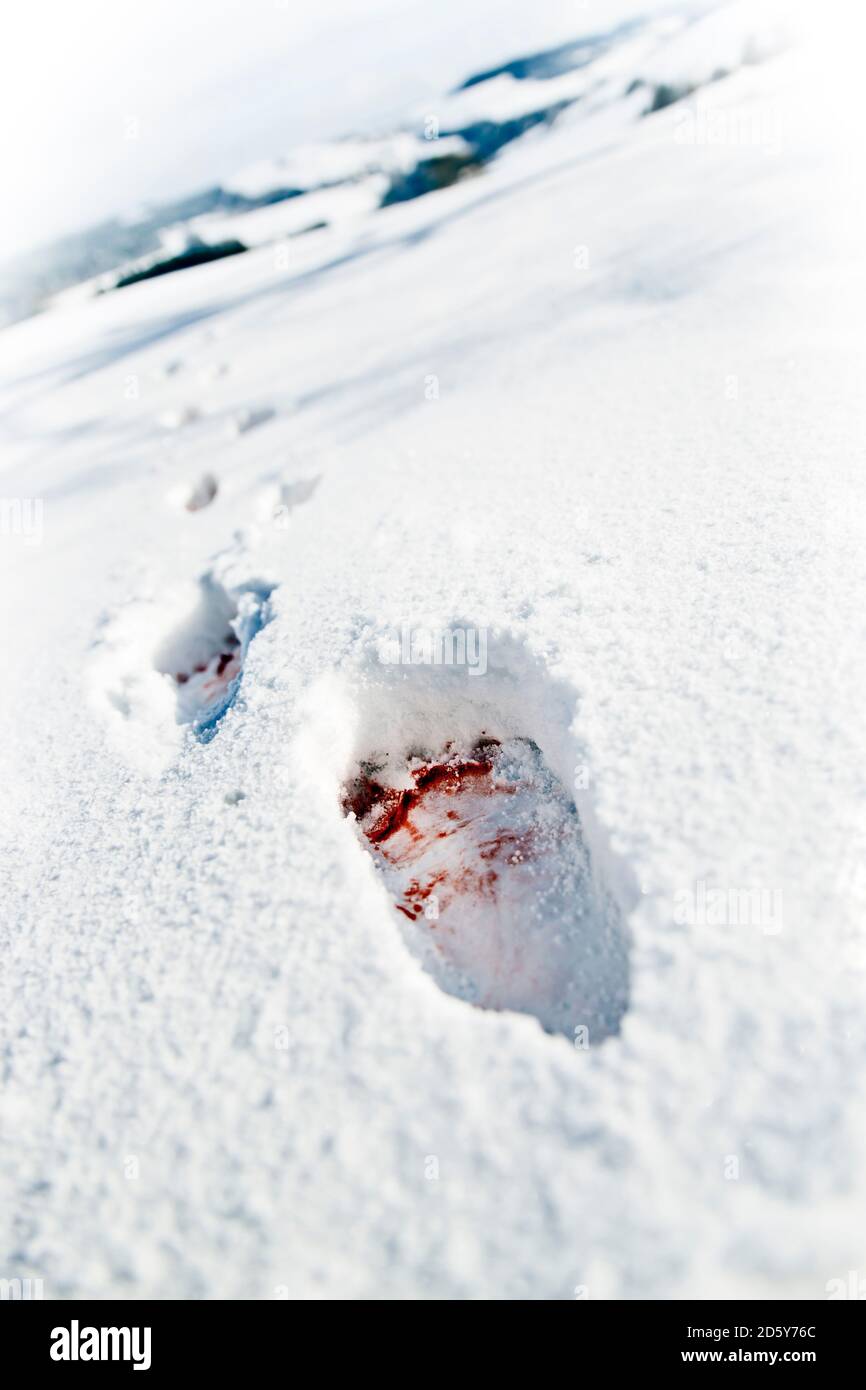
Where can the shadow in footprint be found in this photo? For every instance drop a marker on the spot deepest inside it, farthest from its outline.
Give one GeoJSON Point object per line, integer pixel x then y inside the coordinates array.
{"type": "Point", "coordinates": [482, 847]}
{"type": "Point", "coordinates": [205, 655]}
{"type": "Point", "coordinates": [194, 496]}
{"type": "Point", "coordinates": [278, 500]}
{"type": "Point", "coordinates": [251, 418]}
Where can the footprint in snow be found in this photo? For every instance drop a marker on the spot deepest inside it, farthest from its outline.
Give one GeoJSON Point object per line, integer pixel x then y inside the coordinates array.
{"type": "Point", "coordinates": [485, 857]}
{"type": "Point", "coordinates": [251, 418]}
{"type": "Point", "coordinates": [278, 500]}
{"type": "Point", "coordinates": [204, 657]}
{"type": "Point", "coordinates": [211, 372]}
{"type": "Point", "coordinates": [193, 497]}
{"type": "Point", "coordinates": [178, 419]}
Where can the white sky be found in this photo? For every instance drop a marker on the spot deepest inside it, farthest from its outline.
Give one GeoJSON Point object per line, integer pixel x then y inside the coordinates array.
{"type": "Point", "coordinates": [214, 84]}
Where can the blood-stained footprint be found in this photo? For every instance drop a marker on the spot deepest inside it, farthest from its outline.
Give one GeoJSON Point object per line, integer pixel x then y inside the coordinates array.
{"type": "Point", "coordinates": [483, 853]}
{"type": "Point", "coordinates": [204, 656]}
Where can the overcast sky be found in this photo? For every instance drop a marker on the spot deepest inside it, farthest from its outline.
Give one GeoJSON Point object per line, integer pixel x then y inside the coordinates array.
{"type": "Point", "coordinates": [105, 104]}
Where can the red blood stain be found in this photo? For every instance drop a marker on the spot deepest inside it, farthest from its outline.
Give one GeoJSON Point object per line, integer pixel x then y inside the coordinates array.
{"type": "Point", "coordinates": [393, 805]}
{"type": "Point", "coordinates": [383, 812]}
{"type": "Point", "coordinates": [417, 894]}
{"type": "Point", "coordinates": [223, 666]}
{"type": "Point", "coordinates": [513, 845]}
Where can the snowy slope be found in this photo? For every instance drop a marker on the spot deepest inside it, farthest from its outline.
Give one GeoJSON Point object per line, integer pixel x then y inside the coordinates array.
{"type": "Point", "coordinates": [602, 405]}
{"type": "Point", "coordinates": [623, 72]}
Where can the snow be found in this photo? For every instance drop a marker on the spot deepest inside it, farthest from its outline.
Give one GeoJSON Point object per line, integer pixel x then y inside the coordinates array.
{"type": "Point", "coordinates": [324, 165]}
{"type": "Point", "coordinates": [603, 404]}
{"type": "Point", "coordinates": [329, 205]}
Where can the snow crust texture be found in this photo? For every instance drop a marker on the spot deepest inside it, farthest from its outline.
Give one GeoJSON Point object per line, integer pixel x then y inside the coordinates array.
{"type": "Point", "coordinates": [506, 548]}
